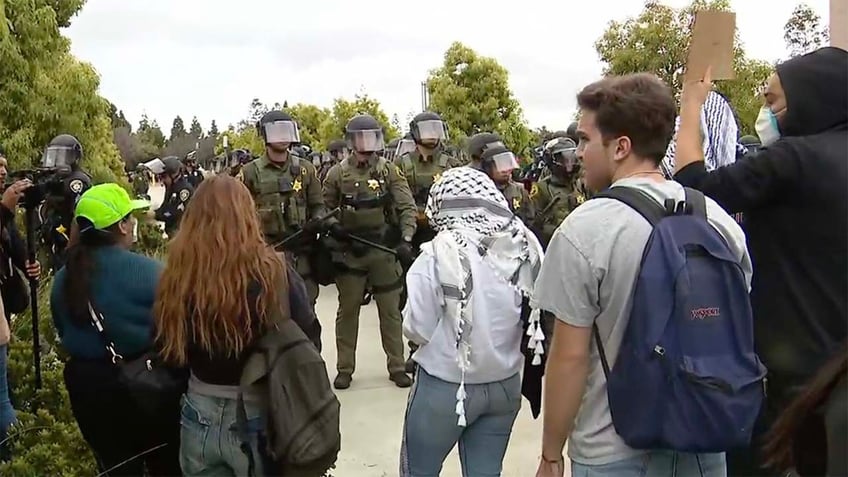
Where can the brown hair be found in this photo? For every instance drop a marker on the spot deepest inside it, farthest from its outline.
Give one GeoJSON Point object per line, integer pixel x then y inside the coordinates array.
{"type": "Point", "coordinates": [639, 106]}
{"type": "Point", "coordinates": [218, 253]}
{"type": "Point", "coordinates": [778, 449]}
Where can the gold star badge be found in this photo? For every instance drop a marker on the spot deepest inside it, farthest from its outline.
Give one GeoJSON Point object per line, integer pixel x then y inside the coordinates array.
{"type": "Point", "coordinates": [580, 199]}
{"type": "Point", "coordinates": [373, 184]}
{"type": "Point", "coordinates": [516, 203]}
{"type": "Point", "coordinates": [297, 186]}
{"type": "Point", "coordinates": [61, 229]}
{"type": "Point", "coordinates": [534, 191]}
{"type": "Point", "coordinates": [436, 178]}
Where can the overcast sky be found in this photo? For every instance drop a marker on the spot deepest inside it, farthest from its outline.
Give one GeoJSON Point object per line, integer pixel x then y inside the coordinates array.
{"type": "Point", "coordinates": [209, 58]}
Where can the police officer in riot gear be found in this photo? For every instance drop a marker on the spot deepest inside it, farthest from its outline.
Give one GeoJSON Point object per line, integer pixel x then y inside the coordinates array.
{"type": "Point", "coordinates": [489, 155]}
{"type": "Point", "coordinates": [192, 172]}
{"type": "Point", "coordinates": [556, 195]}
{"type": "Point", "coordinates": [62, 155]}
{"type": "Point", "coordinates": [377, 206]}
{"type": "Point", "coordinates": [238, 159]}
{"type": "Point", "coordinates": [178, 192]}
{"type": "Point", "coordinates": [405, 146]}
{"type": "Point", "coordinates": [287, 192]}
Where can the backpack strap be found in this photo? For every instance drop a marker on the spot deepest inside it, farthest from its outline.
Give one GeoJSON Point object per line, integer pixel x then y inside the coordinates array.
{"type": "Point", "coordinates": [637, 200]}
{"type": "Point", "coordinates": [697, 201]}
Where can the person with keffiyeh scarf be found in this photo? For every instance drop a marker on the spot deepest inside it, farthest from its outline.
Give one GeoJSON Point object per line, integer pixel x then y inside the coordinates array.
{"type": "Point", "coordinates": [467, 310]}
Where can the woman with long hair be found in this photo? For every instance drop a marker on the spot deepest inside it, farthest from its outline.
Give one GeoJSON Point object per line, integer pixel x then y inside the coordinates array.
{"type": "Point", "coordinates": [216, 298]}
{"type": "Point", "coordinates": [102, 274]}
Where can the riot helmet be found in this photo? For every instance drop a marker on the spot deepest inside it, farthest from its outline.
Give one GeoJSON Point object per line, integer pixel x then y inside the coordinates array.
{"type": "Point", "coordinates": [173, 165]}
{"type": "Point", "coordinates": [498, 162]}
{"type": "Point", "coordinates": [561, 156]}
{"type": "Point", "coordinates": [404, 146]}
{"type": "Point", "coordinates": [156, 166]}
{"type": "Point", "coordinates": [63, 152]}
{"type": "Point", "coordinates": [428, 129]}
{"type": "Point", "coordinates": [240, 157]}
{"type": "Point", "coordinates": [571, 132]}
{"type": "Point", "coordinates": [478, 143]}
{"type": "Point", "coordinates": [337, 149]}
{"type": "Point", "coordinates": [364, 134]}
{"type": "Point", "coordinates": [278, 127]}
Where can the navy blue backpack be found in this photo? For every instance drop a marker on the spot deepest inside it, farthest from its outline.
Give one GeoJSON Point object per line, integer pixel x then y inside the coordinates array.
{"type": "Point", "coordinates": [686, 377]}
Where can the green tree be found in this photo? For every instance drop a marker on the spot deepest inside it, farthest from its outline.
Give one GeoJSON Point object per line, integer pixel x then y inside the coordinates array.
{"type": "Point", "coordinates": [804, 31]}
{"type": "Point", "coordinates": [309, 120]}
{"type": "Point", "coordinates": [195, 130]}
{"type": "Point", "coordinates": [342, 112]}
{"type": "Point", "coordinates": [118, 118]}
{"type": "Point", "coordinates": [213, 129]}
{"type": "Point", "coordinates": [471, 93]}
{"type": "Point", "coordinates": [178, 129]}
{"type": "Point", "coordinates": [150, 137]}
{"type": "Point", "coordinates": [657, 40]}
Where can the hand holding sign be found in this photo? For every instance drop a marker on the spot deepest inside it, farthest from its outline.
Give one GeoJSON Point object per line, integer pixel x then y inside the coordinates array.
{"type": "Point", "coordinates": [695, 91]}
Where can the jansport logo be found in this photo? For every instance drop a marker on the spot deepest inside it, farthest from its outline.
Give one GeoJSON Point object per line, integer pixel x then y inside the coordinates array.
{"type": "Point", "coordinates": [704, 313]}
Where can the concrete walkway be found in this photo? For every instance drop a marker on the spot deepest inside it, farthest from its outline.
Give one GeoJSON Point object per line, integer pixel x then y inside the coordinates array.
{"type": "Point", "coordinates": [373, 408]}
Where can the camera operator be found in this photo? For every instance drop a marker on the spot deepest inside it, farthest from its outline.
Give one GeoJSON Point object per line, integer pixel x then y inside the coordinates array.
{"type": "Point", "coordinates": [13, 257]}
{"type": "Point", "coordinates": [64, 188]}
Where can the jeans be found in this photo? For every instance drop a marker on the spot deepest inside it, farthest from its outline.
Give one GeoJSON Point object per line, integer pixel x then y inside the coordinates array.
{"type": "Point", "coordinates": [431, 430]}
{"type": "Point", "coordinates": [657, 464]}
{"type": "Point", "coordinates": [121, 435]}
{"type": "Point", "coordinates": [209, 439]}
{"type": "Point", "coordinates": [7, 412]}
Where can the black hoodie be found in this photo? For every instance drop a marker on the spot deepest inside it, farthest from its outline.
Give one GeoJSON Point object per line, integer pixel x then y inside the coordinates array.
{"type": "Point", "coordinates": [793, 194]}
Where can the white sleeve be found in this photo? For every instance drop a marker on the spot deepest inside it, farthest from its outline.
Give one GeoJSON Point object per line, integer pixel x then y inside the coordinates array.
{"type": "Point", "coordinates": [423, 309]}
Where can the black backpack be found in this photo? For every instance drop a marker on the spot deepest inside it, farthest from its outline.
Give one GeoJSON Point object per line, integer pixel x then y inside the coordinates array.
{"type": "Point", "coordinates": [302, 435]}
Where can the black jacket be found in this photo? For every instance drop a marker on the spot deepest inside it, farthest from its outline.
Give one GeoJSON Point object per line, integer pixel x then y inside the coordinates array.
{"type": "Point", "coordinates": [793, 194]}
{"type": "Point", "coordinates": [12, 245]}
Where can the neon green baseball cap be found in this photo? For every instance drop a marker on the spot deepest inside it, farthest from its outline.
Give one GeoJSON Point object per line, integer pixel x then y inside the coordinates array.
{"type": "Point", "coordinates": [105, 205]}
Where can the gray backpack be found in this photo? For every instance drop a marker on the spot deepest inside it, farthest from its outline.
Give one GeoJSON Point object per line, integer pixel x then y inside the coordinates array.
{"type": "Point", "coordinates": [302, 434]}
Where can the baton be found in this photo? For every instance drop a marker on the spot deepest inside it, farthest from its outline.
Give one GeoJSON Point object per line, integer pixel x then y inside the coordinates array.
{"type": "Point", "coordinates": [373, 245]}
{"type": "Point", "coordinates": [297, 234]}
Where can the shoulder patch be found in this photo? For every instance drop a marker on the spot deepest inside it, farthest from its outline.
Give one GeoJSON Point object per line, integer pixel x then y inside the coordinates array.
{"type": "Point", "coordinates": [184, 194]}
{"type": "Point", "coordinates": [534, 190]}
{"type": "Point", "coordinates": [399, 172]}
{"type": "Point", "coordinates": [76, 186]}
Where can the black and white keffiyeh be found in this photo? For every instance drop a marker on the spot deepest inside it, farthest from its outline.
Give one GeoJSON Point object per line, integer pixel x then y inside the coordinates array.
{"type": "Point", "coordinates": [468, 212]}
{"type": "Point", "coordinates": [720, 131]}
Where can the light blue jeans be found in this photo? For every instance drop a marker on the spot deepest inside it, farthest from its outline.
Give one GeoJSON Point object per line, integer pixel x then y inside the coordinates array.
{"type": "Point", "coordinates": [209, 439]}
{"type": "Point", "coordinates": [431, 431]}
{"type": "Point", "coordinates": [657, 464]}
{"type": "Point", "coordinates": [7, 413]}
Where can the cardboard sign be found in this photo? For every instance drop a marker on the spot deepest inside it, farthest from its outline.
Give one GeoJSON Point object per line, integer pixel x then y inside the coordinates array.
{"type": "Point", "coordinates": [839, 23]}
{"type": "Point", "coordinates": [712, 45]}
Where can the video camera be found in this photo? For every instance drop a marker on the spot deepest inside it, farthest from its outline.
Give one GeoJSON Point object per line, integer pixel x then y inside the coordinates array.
{"type": "Point", "coordinates": [44, 181]}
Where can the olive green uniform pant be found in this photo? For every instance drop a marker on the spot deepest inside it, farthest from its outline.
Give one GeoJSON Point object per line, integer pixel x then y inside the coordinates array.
{"type": "Point", "coordinates": [382, 272]}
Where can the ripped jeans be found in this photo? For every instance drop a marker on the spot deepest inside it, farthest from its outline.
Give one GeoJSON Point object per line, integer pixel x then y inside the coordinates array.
{"type": "Point", "coordinates": [210, 443]}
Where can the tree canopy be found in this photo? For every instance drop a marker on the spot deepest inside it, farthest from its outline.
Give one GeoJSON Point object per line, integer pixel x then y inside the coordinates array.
{"type": "Point", "coordinates": [471, 93]}
{"type": "Point", "coordinates": [804, 31]}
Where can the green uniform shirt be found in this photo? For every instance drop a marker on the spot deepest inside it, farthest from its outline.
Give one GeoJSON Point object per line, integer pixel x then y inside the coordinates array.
{"type": "Point", "coordinates": [287, 194]}
{"type": "Point", "coordinates": [519, 201]}
{"type": "Point", "coordinates": [380, 192]}
{"type": "Point", "coordinates": [421, 173]}
{"type": "Point", "coordinates": [553, 200]}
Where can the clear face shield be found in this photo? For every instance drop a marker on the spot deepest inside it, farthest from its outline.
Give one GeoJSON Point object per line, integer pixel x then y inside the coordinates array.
{"type": "Point", "coordinates": [366, 141]}
{"type": "Point", "coordinates": [566, 159]}
{"type": "Point", "coordinates": [156, 166]}
{"type": "Point", "coordinates": [504, 162]}
{"type": "Point", "coordinates": [284, 132]}
{"type": "Point", "coordinates": [59, 157]}
{"type": "Point", "coordinates": [431, 131]}
{"type": "Point", "coordinates": [405, 146]}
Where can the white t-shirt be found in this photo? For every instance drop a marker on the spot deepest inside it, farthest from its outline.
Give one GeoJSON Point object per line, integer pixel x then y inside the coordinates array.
{"type": "Point", "coordinates": [589, 275]}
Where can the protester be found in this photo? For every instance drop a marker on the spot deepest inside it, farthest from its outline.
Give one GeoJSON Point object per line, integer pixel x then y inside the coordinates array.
{"type": "Point", "coordinates": [827, 394]}
{"type": "Point", "coordinates": [214, 301]}
{"type": "Point", "coordinates": [588, 280]}
{"type": "Point", "coordinates": [793, 195]}
{"type": "Point", "coordinates": [464, 306]}
{"type": "Point", "coordinates": [103, 277]}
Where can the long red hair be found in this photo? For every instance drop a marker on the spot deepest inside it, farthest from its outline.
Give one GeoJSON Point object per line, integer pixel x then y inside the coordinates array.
{"type": "Point", "coordinates": [217, 254]}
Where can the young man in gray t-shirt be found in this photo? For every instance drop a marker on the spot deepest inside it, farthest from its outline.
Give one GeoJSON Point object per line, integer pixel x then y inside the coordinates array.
{"type": "Point", "coordinates": [589, 274]}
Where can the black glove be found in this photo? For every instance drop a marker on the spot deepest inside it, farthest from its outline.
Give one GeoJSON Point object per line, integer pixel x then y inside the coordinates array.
{"type": "Point", "coordinates": [314, 227]}
{"type": "Point", "coordinates": [339, 232]}
{"type": "Point", "coordinates": [405, 253]}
